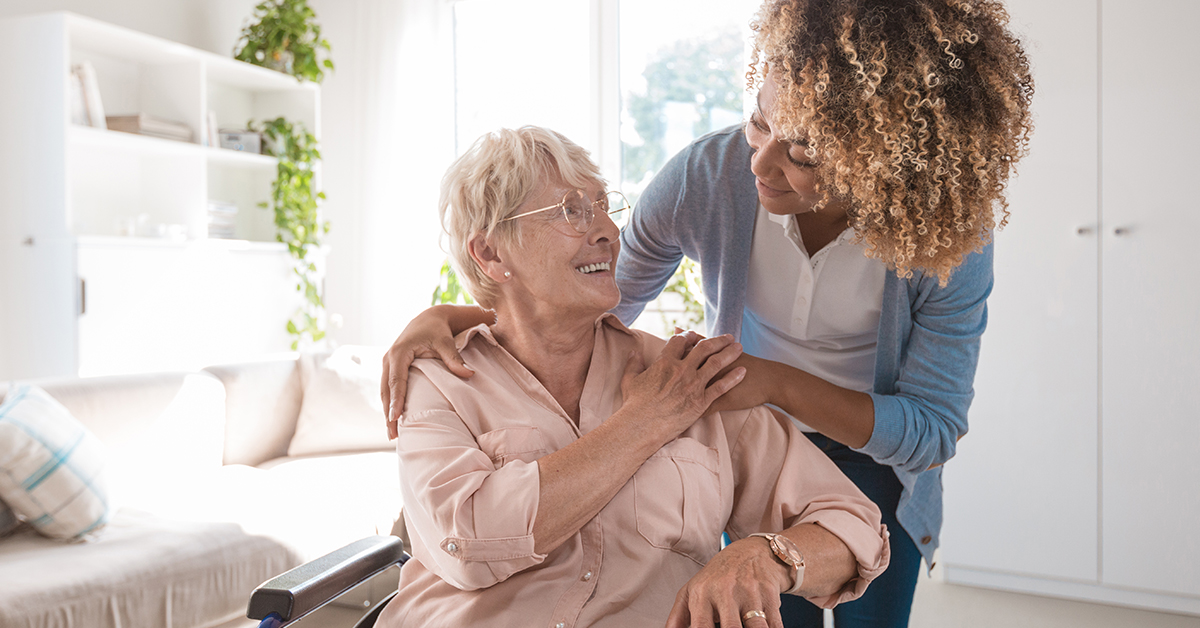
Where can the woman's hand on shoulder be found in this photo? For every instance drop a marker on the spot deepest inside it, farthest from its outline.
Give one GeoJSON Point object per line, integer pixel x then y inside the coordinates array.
{"type": "Point", "coordinates": [754, 389]}
{"type": "Point", "coordinates": [429, 335]}
{"type": "Point", "coordinates": [683, 381]}
{"type": "Point", "coordinates": [742, 578]}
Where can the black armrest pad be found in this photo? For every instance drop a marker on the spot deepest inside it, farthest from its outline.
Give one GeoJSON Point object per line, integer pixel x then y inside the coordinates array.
{"type": "Point", "coordinates": [315, 583]}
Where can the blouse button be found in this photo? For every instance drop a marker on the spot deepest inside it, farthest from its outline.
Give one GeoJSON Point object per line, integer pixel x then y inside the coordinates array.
{"type": "Point", "coordinates": [451, 547]}
{"type": "Point", "coordinates": [587, 576]}
{"type": "Point", "coordinates": [560, 625]}
{"type": "Point", "coordinates": [926, 539]}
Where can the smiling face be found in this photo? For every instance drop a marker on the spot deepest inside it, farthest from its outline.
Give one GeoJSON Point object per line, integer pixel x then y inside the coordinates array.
{"type": "Point", "coordinates": [553, 270]}
{"type": "Point", "coordinates": [784, 168]}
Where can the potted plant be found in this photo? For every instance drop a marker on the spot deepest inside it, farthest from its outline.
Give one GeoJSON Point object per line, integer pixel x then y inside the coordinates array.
{"type": "Point", "coordinates": [285, 37]}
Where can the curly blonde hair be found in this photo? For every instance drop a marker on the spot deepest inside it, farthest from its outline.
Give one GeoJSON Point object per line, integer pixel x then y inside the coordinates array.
{"type": "Point", "coordinates": [918, 110]}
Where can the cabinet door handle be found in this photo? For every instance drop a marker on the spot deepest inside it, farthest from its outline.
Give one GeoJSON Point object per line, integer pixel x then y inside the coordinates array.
{"type": "Point", "coordinates": [82, 296]}
{"type": "Point", "coordinates": [1085, 230]}
{"type": "Point", "coordinates": [1122, 231]}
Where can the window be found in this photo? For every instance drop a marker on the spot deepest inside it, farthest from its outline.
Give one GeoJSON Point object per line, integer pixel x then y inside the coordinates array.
{"type": "Point", "coordinates": [632, 81]}
{"type": "Point", "coordinates": [682, 75]}
{"type": "Point", "coordinates": [523, 62]}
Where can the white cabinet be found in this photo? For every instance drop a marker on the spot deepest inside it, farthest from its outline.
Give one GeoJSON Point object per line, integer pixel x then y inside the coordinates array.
{"type": "Point", "coordinates": [1150, 339]}
{"type": "Point", "coordinates": [106, 263]}
{"type": "Point", "coordinates": [1078, 478]}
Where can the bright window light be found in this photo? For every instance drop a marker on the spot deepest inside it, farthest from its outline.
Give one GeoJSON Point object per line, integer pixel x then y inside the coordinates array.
{"type": "Point", "coordinates": [522, 62]}
{"type": "Point", "coordinates": [682, 75]}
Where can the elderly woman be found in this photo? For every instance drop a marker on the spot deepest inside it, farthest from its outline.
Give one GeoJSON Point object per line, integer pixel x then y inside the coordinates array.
{"type": "Point", "coordinates": [568, 484]}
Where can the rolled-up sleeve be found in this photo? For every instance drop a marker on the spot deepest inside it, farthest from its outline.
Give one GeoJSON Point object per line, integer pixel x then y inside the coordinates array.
{"type": "Point", "coordinates": [474, 518]}
{"type": "Point", "coordinates": [783, 480]}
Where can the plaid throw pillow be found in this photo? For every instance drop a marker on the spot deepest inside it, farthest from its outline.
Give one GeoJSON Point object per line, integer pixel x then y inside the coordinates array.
{"type": "Point", "coordinates": [51, 466]}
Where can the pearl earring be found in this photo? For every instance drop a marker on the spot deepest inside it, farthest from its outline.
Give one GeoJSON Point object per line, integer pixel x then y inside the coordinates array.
{"type": "Point", "coordinates": [507, 275]}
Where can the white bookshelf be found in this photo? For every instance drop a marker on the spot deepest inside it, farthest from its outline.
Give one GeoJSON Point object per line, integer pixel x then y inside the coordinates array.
{"type": "Point", "coordinates": [88, 214]}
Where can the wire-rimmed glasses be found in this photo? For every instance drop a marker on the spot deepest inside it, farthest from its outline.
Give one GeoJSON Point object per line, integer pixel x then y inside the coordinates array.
{"type": "Point", "coordinates": [579, 211]}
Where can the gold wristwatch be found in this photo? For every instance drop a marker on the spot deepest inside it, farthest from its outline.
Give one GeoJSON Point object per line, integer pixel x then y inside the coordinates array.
{"type": "Point", "coordinates": [787, 552]}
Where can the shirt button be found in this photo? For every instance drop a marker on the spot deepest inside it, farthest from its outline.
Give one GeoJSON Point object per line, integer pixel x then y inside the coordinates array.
{"type": "Point", "coordinates": [451, 547]}
{"type": "Point", "coordinates": [926, 539]}
{"type": "Point", "coordinates": [587, 576]}
{"type": "Point", "coordinates": [560, 625]}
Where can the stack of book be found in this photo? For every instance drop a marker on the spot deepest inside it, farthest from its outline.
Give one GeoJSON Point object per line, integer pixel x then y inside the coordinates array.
{"type": "Point", "coordinates": [222, 217]}
{"type": "Point", "coordinates": [146, 124]}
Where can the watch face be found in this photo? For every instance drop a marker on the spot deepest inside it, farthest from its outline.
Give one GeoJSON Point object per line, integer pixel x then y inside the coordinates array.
{"type": "Point", "coordinates": [787, 551]}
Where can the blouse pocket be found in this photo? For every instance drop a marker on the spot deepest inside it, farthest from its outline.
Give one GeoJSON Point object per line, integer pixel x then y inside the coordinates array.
{"type": "Point", "coordinates": [677, 495]}
{"type": "Point", "coordinates": [512, 443]}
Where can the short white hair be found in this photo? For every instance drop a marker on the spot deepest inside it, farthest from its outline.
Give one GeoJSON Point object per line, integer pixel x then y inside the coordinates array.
{"type": "Point", "coordinates": [494, 177]}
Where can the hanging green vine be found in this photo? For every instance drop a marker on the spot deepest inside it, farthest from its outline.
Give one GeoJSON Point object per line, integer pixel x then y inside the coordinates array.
{"type": "Point", "coordinates": [297, 222]}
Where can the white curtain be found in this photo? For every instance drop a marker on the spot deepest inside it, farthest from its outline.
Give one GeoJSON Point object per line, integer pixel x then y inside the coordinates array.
{"type": "Point", "coordinates": [387, 136]}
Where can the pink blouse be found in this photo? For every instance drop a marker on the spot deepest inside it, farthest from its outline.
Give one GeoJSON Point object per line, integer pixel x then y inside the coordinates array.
{"type": "Point", "coordinates": [468, 466]}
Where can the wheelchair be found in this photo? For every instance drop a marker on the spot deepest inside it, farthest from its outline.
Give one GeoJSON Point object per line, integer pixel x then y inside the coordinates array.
{"type": "Point", "coordinates": [285, 599]}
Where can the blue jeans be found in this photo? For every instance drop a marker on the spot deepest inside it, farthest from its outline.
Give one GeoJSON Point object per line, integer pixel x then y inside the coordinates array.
{"type": "Point", "coordinates": [888, 599]}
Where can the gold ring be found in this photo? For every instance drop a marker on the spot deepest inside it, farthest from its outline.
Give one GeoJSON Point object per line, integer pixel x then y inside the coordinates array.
{"type": "Point", "coordinates": [750, 614]}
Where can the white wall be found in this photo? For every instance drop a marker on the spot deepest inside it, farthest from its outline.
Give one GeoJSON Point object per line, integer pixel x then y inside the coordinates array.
{"type": "Point", "coordinates": [386, 112]}
{"type": "Point", "coordinates": [170, 19]}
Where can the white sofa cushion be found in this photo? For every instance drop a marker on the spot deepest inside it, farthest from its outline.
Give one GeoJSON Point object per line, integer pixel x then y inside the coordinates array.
{"type": "Point", "coordinates": [262, 401]}
{"type": "Point", "coordinates": [144, 571]}
{"type": "Point", "coordinates": [51, 466]}
{"type": "Point", "coordinates": [341, 410]}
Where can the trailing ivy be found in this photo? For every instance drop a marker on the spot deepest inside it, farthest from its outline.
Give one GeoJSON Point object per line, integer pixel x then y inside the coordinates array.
{"type": "Point", "coordinates": [295, 199]}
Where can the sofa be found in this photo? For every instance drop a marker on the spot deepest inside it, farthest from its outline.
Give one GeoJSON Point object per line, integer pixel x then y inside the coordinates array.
{"type": "Point", "coordinates": [216, 481]}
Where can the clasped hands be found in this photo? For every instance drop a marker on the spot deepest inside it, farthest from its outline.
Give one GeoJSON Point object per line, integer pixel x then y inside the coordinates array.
{"type": "Point", "coordinates": [753, 389]}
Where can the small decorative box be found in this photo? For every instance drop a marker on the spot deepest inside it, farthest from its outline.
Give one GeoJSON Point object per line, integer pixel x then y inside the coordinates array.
{"type": "Point", "coordinates": [245, 141]}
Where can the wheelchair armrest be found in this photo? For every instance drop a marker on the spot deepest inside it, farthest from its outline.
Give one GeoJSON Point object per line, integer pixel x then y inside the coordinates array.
{"type": "Point", "coordinates": [310, 586]}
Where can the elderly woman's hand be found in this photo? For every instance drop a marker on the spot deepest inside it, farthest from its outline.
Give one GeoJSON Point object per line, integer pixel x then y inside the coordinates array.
{"type": "Point", "coordinates": [741, 579]}
{"type": "Point", "coordinates": [753, 390]}
{"type": "Point", "coordinates": [683, 381]}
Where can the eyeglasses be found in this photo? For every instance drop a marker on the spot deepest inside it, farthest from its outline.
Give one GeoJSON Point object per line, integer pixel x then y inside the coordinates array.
{"type": "Point", "coordinates": [579, 212]}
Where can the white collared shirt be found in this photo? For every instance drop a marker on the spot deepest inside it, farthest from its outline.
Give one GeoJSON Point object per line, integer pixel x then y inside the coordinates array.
{"type": "Point", "coordinates": [819, 313]}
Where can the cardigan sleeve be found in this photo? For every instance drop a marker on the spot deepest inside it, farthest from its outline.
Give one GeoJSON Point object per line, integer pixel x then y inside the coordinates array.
{"type": "Point", "coordinates": [650, 248]}
{"type": "Point", "coordinates": [918, 424]}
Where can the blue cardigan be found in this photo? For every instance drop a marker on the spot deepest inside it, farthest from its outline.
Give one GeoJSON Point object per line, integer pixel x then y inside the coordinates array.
{"type": "Point", "coordinates": [702, 204]}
